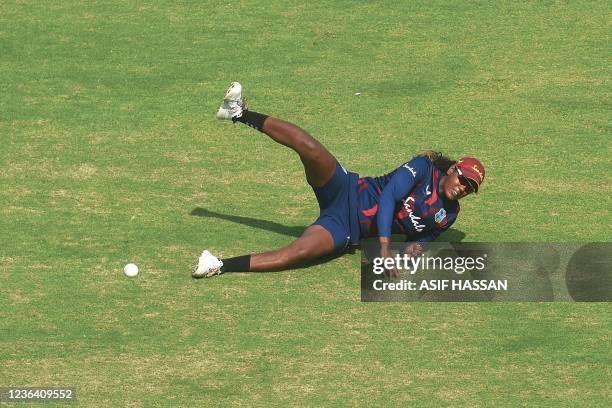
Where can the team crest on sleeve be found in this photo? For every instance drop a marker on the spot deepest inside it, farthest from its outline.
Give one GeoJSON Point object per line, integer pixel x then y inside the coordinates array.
{"type": "Point", "coordinates": [440, 216]}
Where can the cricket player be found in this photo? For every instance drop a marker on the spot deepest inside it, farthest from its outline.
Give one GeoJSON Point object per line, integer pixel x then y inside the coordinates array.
{"type": "Point", "coordinates": [419, 199]}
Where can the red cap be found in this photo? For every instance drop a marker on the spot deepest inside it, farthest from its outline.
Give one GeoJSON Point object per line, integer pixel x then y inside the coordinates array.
{"type": "Point", "coordinates": [471, 168]}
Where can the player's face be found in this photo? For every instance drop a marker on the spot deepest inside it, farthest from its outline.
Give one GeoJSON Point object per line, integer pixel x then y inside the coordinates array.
{"type": "Point", "coordinates": [456, 186]}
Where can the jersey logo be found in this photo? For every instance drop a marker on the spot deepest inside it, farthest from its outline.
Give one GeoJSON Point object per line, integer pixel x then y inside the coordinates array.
{"type": "Point", "coordinates": [427, 191]}
{"type": "Point", "coordinates": [408, 204]}
{"type": "Point", "coordinates": [440, 216]}
{"type": "Point", "coordinates": [410, 169]}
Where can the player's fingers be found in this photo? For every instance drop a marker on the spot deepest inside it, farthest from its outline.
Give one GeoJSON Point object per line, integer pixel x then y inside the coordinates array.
{"type": "Point", "coordinates": [392, 273]}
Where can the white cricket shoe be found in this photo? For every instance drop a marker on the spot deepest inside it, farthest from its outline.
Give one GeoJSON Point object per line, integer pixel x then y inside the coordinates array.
{"type": "Point", "coordinates": [208, 265]}
{"type": "Point", "coordinates": [233, 104]}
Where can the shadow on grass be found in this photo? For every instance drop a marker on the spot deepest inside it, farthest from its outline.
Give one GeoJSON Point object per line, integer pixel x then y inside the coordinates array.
{"type": "Point", "coordinates": [272, 226]}
{"type": "Point", "coordinates": [452, 235]}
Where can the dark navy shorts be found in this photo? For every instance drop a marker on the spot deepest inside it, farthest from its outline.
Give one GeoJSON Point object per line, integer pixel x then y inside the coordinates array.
{"type": "Point", "coordinates": [333, 200]}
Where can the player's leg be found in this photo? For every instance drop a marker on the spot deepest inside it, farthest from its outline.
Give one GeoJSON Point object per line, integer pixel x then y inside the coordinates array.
{"type": "Point", "coordinates": [319, 163]}
{"type": "Point", "coordinates": [320, 167]}
{"type": "Point", "coordinates": [314, 243]}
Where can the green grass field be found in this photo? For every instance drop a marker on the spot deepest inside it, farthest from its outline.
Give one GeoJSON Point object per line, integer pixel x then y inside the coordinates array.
{"type": "Point", "coordinates": [110, 153]}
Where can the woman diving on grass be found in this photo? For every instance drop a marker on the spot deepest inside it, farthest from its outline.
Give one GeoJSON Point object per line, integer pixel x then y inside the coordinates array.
{"type": "Point", "coordinates": [419, 199]}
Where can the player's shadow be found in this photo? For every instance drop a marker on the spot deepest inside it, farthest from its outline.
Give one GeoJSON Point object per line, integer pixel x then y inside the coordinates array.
{"type": "Point", "coordinates": [294, 231]}
{"type": "Point", "coordinates": [452, 235]}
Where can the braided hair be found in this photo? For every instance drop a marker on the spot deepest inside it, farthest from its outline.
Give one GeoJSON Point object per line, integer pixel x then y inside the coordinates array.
{"type": "Point", "coordinates": [440, 161]}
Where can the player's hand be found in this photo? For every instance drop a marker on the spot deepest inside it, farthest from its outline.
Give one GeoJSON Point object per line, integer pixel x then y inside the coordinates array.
{"type": "Point", "coordinates": [392, 273]}
{"type": "Point", "coordinates": [414, 250]}
{"type": "Point", "coordinates": [385, 252]}
{"type": "Point", "coordinates": [389, 272]}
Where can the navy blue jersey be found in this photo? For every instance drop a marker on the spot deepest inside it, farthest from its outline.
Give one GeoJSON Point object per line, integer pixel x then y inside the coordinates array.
{"type": "Point", "coordinates": [405, 201]}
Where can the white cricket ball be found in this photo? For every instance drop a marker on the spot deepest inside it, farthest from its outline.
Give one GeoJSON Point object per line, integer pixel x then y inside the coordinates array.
{"type": "Point", "coordinates": [130, 270]}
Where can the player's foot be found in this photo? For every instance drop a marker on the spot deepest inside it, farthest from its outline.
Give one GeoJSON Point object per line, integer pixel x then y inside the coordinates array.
{"type": "Point", "coordinates": [233, 104]}
{"type": "Point", "coordinates": [208, 265]}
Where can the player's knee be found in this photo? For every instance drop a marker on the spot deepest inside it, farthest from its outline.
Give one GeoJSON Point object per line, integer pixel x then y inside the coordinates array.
{"type": "Point", "coordinates": [294, 254]}
{"type": "Point", "coordinates": [301, 254]}
{"type": "Point", "coordinates": [308, 145]}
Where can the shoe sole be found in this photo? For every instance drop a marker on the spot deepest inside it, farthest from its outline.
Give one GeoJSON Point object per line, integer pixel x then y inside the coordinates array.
{"type": "Point", "coordinates": [204, 275]}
